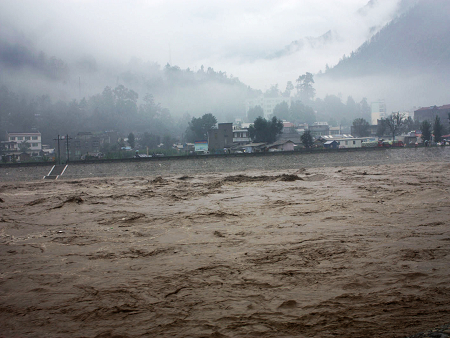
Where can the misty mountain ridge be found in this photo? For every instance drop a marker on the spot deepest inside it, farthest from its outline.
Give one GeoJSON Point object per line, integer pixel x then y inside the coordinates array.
{"type": "Point", "coordinates": [416, 41]}
{"type": "Point", "coordinates": [311, 42]}
{"type": "Point", "coordinates": [333, 35]}
{"type": "Point", "coordinates": [422, 26]}
{"type": "Point", "coordinates": [368, 7]}
{"type": "Point", "coordinates": [16, 57]}
{"type": "Point", "coordinates": [31, 72]}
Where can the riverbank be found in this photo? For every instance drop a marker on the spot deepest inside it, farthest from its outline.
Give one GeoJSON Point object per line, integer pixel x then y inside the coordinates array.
{"type": "Point", "coordinates": [229, 163]}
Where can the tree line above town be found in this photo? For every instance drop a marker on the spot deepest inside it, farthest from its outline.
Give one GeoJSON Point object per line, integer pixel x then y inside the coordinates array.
{"type": "Point", "coordinates": [122, 109]}
{"type": "Point", "coordinates": [304, 107]}
{"type": "Point", "coordinates": [113, 109]}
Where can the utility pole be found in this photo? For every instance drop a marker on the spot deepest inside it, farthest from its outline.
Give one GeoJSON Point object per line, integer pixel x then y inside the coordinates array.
{"type": "Point", "coordinates": [67, 146]}
{"type": "Point", "coordinates": [59, 153]}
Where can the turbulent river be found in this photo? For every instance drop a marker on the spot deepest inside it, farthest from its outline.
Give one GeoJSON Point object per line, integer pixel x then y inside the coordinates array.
{"type": "Point", "coordinates": [325, 250]}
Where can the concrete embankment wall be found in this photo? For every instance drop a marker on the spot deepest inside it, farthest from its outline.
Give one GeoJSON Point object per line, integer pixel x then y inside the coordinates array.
{"type": "Point", "coordinates": [229, 163]}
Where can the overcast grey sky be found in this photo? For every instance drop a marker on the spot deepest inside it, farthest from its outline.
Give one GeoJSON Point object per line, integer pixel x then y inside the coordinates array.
{"type": "Point", "coordinates": [228, 35]}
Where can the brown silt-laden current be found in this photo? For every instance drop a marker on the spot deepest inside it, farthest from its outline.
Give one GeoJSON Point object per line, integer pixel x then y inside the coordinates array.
{"type": "Point", "coordinates": [317, 252]}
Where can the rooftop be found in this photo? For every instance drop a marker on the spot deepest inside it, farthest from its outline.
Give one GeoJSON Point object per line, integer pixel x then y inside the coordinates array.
{"type": "Point", "coordinates": [22, 133]}
{"type": "Point", "coordinates": [446, 106]}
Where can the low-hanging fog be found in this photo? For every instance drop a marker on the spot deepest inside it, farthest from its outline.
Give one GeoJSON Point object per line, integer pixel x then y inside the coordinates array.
{"type": "Point", "coordinates": [225, 35]}
{"type": "Point", "coordinates": [219, 52]}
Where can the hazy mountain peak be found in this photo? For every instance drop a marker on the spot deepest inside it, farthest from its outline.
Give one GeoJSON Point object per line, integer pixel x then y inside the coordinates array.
{"type": "Point", "coordinates": [368, 7]}
{"type": "Point", "coordinates": [309, 41]}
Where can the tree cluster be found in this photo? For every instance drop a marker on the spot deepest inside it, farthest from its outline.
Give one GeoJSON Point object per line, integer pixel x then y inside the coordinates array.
{"type": "Point", "coordinates": [305, 89]}
{"type": "Point", "coordinates": [307, 139]}
{"type": "Point", "coordinates": [254, 112]}
{"type": "Point", "coordinates": [265, 131]}
{"type": "Point", "coordinates": [114, 109]}
{"type": "Point", "coordinates": [433, 131]}
{"type": "Point", "coordinates": [395, 123]}
{"type": "Point", "coordinates": [20, 56]}
{"type": "Point", "coordinates": [438, 129]}
{"type": "Point", "coordinates": [199, 127]}
{"type": "Point", "coordinates": [305, 109]}
{"type": "Point", "coordinates": [361, 127]}
{"type": "Point", "coordinates": [296, 112]}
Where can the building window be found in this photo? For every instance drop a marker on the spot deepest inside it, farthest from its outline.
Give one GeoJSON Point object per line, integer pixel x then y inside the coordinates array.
{"type": "Point", "coordinates": [20, 138]}
{"type": "Point", "coordinates": [354, 142]}
{"type": "Point", "coordinates": [34, 138]}
{"type": "Point", "coordinates": [12, 138]}
{"type": "Point", "coordinates": [27, 138]}
{"type": "Point", "coordinates": [34, 144]}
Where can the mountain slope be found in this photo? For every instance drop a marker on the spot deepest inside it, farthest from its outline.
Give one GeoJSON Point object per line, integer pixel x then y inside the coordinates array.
{"type": "Point", "coordinates": [417, 41]}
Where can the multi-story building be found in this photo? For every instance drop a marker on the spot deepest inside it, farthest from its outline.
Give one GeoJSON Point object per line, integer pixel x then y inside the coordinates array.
{"type": "Point", "coordinates": [220, 138]}
{"type": "Point", "coordinates": [430, 113]}
{"type": "Point", "coordinates": [241, 136]}
{"type": "Point", "coordinates": [335, 130]}
{"type": "Point", "coordinates": [289, 133]}
{"type": "Point", "coordinates": [83, 144]}
{"type": "Point", "coordinates": [319, 129]}
{"type": "Point", "coordinates": [378, 111]}
{"type": "Point", "coordinates": [29, 143]}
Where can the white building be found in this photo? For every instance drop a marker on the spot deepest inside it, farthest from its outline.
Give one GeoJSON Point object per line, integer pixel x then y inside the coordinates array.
{"type": "Point", "coordinates": [350, 143]}
{"type": "Point", "coordinates": [241, 136]}
{"type": "Point", "coordinates": [378, 111]}
{"type": "Point", "coordinates": [33, 140]}
{"type": "Point", "coordinates": [345, 141]}
{"type": "Point", "coordinates": [266, 103]}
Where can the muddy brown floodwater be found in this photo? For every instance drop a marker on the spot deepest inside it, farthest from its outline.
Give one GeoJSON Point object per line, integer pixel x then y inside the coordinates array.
{"type": "Point", "coordinates": [317, 252]}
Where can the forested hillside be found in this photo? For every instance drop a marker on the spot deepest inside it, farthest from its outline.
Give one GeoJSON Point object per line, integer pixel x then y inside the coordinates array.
{"type": "Point", "coordinates": [416, 42]}
{"type": "Point", "coordinates": [31, 73]}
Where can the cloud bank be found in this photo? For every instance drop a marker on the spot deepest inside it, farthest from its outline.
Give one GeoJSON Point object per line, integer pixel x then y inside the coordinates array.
{"type": "Point", "coordinates": [233, 36]}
